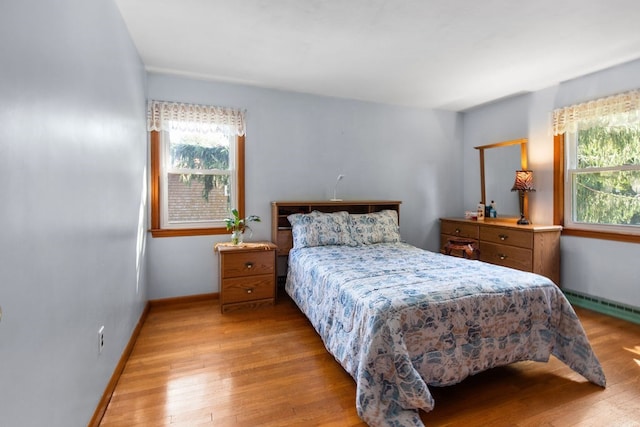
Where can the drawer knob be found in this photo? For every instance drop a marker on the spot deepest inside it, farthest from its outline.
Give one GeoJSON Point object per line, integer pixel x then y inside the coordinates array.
{"type": "Point", "coordinates": [502, 256]}
{"type": "Point", "coordinates": [457, 231]}
{"type": "Point", "coordinates": [249, 265]}
{"type": "Point", "coordinates": [249, 291]}
{"type": "Point", "coordinates": [503, 236]}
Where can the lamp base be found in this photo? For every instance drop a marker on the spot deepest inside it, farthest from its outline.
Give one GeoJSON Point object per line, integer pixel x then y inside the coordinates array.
{"type": "Point", "coordinates": [523, 221]}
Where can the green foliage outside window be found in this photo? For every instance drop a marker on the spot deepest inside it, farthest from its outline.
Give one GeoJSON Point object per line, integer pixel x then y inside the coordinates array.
{"type": "Point", "coordinates": [192, 152]}
{"type": "Point", "coordinates": [607, 179]}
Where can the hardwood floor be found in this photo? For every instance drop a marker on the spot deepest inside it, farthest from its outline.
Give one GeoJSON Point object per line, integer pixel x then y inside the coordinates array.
{"type": "Point", "coordinates": [192, 366]}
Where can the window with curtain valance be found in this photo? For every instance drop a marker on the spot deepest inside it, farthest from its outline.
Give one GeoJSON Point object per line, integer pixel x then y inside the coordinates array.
{"type": "Point", "coordinates": [197, 167]}
{"type": "Point", "coordinates": [599, 142]}
{"type": "Point", "coordinates": [162, 115]}
{"type": "Point", "coordinates": [617, 109]}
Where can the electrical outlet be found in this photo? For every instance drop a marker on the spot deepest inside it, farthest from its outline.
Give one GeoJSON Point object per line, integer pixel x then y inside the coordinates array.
{"type": "Point", "coordinates": [100, 339]}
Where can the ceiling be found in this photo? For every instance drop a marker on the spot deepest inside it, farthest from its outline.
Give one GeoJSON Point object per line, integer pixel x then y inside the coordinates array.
{"type": "Point", "coordinates": [441, 54]}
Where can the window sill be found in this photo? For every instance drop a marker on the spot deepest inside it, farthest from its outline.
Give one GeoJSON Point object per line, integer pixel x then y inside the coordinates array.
{"type": "Point", "coordinates": [182, 232]}
{"type": "Point", "coordinates": [619, 237]}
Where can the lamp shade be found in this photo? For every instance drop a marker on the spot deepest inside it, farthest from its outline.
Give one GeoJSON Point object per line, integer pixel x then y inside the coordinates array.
{"type": "Point", "coordinates": [524, 181]}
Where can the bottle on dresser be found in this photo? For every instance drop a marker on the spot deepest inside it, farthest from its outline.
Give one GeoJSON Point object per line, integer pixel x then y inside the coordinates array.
{"type": "Point", "coordinates": [493, 212]}
{"type": "Point", "coordinates": [480, 211]}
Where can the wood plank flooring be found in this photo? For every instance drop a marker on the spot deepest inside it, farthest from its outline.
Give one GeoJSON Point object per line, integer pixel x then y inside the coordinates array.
{"type": "Point", "coordinates": [192, 366]}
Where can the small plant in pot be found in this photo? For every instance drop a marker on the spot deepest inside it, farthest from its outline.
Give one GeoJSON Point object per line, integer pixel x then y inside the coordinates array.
{"type": "Point", "coordinates": [238, 225]}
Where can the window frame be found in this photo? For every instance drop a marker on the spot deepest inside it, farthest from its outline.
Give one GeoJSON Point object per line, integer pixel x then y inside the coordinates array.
{"type": "Point", "coordinates": [156, 229]}
{"type": "Point", "coordinates": [559, 160]}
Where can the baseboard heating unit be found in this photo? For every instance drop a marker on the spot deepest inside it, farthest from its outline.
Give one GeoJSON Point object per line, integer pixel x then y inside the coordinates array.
{"type": "Point", "coordinates": [615, 309]}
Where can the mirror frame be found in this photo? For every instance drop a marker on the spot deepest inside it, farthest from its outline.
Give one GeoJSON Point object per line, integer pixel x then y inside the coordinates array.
{"type": "Point", "coordinates": [523, 165]}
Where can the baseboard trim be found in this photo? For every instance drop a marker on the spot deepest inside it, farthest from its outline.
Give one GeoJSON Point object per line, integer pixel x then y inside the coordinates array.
{"type": "Point", "coordinates": [111, 386]}
{"type": "Point", "coordinates": [184, 299]}
{"type": "Point", "coordinates": [601, 305]}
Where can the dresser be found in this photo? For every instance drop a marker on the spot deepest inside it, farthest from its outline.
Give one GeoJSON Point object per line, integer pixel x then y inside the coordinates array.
{"type": "Point", "coordinates": [534, 248]}
{"type": "Point", "coordinates": [247, 275]}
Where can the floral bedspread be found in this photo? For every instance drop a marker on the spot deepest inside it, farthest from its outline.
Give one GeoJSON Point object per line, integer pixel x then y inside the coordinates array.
{"type": "Point", "coordinates": [399, 318]}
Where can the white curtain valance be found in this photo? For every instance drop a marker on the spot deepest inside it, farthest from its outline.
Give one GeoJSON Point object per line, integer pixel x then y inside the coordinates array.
{"type": "Point", "coordinates": [163, 115]}
{"type": "Point", "coordinates": [616, 109]}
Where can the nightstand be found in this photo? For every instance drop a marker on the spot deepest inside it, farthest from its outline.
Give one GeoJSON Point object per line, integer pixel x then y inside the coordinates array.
{"type": "Point", "coordinates": [247, 275]}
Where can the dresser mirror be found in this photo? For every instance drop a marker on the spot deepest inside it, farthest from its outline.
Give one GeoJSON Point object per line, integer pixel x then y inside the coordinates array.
{"type": "Point", "coordinates": [498, 165]}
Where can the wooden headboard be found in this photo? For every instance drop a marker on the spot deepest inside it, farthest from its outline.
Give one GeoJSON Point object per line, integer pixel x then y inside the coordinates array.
{"type": "Point", "coordinates": [281, 228]}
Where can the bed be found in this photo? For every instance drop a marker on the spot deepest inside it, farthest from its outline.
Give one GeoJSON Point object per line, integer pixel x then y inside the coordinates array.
{"type": "Point", "coordinates": [400, 319]}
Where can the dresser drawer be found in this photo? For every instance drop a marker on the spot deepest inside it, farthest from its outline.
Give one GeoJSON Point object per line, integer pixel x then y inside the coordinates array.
{"type": "Point", "coordinates": [459, 229]}
{"type": "Point", "coordinates": [508, 256]}
{"type": "Point", "coordinates": [243, 289]}
{"type": "Point", "coordinates": [237, 264]}
{"type": "Point", "coordinates": [507, 236]}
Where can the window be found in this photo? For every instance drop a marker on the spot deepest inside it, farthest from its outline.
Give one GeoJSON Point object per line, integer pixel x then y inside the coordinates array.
{"type": "Point", "coordinates": [600, 159]}
{"type": "Point", "coordinates": [197, 168]}
{"type": "Point", "coordinates": [603, 176]}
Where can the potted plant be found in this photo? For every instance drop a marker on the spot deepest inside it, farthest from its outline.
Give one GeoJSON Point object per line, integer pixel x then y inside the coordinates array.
{"type": "Point", "coordinates": [238, 225]}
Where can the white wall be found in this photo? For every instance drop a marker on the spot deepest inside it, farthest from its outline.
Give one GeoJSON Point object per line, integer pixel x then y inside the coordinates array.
{"type": "Point", "coordinates": [73, 157]}
{"type": "Point", "coordinates": [600, 268]}
{"type": "Point", "coordinates": [296, 145]}
{"type": "Point", "coordinates": [497, 122]}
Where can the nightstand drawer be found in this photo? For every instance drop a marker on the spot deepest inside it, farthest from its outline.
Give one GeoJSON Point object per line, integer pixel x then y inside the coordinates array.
{"type": "Point", "coordinates": [237, 264]}
{"type": "Point", "coordinates": [242, 289]}
{"type": "Point", "coordinates": [508, 256]}
{"type": "Point", "coordinates": [506, 236]}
